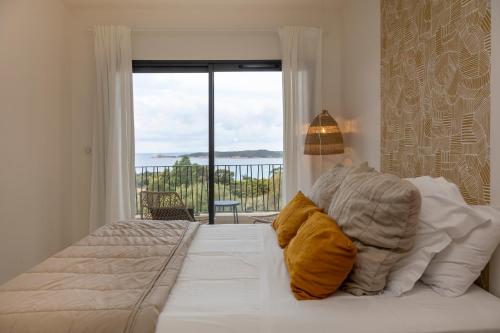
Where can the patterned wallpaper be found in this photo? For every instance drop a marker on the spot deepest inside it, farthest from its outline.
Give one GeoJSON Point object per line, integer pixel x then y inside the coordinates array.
{"type": "Point", "coordinates": [435, 68]}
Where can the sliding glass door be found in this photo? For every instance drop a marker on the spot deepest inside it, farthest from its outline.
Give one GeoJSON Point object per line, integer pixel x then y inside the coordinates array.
{"type": "Point", "coordinates": [248, 140]}
{"type": "Point", "coordinates": [170, 116]}
{"type": "Point", "coordinates": [211, 132]}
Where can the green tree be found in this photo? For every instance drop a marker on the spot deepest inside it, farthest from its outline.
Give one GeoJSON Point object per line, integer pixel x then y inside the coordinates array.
{"type": "Point", "coordinates": [183, 171]}
{"type": "Point", "coordinates": [223, 176]}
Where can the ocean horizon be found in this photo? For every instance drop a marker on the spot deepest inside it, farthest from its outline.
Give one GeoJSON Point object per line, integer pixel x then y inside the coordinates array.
{"type": "Point", "coordinates": [169, 159]}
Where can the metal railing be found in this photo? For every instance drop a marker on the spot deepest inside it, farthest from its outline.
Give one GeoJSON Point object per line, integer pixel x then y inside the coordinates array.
{"type": "Point", "coordinates": [256, 186]}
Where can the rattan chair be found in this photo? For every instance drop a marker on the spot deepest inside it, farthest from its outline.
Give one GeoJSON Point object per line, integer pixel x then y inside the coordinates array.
{"type": "Point", "coordinates": [165, 206]}
{"type": "Point", "coordinates": [265, 219]}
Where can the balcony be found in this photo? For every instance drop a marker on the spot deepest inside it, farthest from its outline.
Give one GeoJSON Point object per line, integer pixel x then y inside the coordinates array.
{"type": "Point", "coordinates": [256, 186]}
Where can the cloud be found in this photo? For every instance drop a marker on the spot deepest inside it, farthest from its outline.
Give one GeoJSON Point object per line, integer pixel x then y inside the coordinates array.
{"type": "Point", "coordinates": [171, 111]}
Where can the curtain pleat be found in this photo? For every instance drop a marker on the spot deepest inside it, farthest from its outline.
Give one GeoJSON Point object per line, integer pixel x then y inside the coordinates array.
{"type": "Point", "coordinates": [113, 170]}
{"type": "Point", "coordinates": [301, 61]}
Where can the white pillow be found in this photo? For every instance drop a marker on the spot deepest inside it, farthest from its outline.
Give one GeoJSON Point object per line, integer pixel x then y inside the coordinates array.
{"type": "Point", "coordinates": [428, 185]}
{"type": "Point", "coordinates": [408, 270]}
{"type": "Point", "coordinates": [444, 208]}
{"type": "Point", "coordinates": [450, 188]}
{"type": "Point", "coordinates": [444, 216]}
{"type": "Point", "coordinates": [456, 268]}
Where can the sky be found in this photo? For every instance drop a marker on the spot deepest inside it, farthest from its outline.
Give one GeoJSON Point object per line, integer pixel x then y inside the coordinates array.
{"type": "Point", "coordinates": [171, 112]}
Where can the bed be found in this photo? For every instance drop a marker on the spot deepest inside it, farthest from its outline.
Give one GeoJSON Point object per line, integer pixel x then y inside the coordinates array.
{"type": "Point", "coordinates": [178, 277]}
{"type": "Point", "coordinates": [234, 280]}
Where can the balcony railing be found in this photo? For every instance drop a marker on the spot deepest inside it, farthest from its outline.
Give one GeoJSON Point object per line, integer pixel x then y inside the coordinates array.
{"type": "Point", "coordinates": [256, 186]}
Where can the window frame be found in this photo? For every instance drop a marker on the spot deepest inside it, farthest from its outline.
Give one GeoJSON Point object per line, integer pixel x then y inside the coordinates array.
{"type": "Point", "coordinates": [202, 66]}
{"type": "Point", "coordinates": [210, 67]}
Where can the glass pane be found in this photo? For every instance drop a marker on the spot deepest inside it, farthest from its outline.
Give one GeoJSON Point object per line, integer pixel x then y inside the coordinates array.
{"type": "Point", "coordinates": [248, 139]}
{"type": "Point", "coordinates": [171, 136]}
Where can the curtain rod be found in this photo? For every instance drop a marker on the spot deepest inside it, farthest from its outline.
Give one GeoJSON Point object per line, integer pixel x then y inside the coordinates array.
{"type": "Point", "coordinates": [176, 30]}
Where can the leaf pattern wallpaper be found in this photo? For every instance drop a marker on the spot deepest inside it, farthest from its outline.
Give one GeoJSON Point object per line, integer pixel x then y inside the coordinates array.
{"type": "Point", "coordinates": [435, 91]}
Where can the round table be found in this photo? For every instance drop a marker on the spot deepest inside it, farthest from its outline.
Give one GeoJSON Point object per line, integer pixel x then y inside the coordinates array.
{"type": "Point", "coordinates": [232, 204]}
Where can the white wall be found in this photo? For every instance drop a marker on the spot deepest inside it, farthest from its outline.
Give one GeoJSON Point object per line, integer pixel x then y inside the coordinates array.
{"type": "Point", "coordinates": [34, 170]}
{"type": "Point", "coordinates": [180, 45]}
{"type": "Point", "coordinates": [360, 77]}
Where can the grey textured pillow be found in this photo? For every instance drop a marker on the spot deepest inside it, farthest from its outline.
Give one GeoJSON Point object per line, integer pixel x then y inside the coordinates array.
{"type": "Point", "coordinates": [379, 212]}
{"type": "Point", "coordinates": [327, 184]}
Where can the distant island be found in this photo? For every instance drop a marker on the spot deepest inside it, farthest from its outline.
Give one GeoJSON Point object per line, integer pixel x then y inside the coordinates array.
{"type": "Point", "coordinates": [260, 153]}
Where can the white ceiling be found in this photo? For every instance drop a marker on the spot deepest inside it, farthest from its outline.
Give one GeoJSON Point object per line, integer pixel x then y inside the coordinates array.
{"type": "Point", "coordinates": [161, 3]}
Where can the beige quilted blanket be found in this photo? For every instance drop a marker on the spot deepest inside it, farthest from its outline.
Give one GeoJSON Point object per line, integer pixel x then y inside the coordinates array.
{"type": "Point", "coordinates": [116, 280]}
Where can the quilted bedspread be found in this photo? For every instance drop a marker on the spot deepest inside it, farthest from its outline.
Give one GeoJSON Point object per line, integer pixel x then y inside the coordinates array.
{"type": "Point", "coordinates": [117, 279]}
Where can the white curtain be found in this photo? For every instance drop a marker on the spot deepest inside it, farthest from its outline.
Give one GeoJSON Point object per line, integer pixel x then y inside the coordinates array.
{"type": "Point", "coordinates": [301, 61]}
{"type": "Point", "coordinates": [113, 175]}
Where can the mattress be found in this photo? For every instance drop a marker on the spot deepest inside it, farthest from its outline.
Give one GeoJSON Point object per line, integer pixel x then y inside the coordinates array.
{"type": "Point", "coordinates": [234, 280]}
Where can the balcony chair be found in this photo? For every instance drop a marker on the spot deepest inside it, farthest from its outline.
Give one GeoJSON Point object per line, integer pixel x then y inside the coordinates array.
{"type": "Point", "coordinates": [166, 206]}
{"type": "Point", "coordinates": [266, 219]}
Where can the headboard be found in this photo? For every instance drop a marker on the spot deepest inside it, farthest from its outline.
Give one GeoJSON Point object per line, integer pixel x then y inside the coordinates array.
{"type": "Point", "coordinates": [435, 93]}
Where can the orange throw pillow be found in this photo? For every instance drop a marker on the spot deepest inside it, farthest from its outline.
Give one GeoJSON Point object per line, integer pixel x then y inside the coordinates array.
{"type": "Point", "coordinates": [291, 217]}
{"type": "Point", "coordinates": [319, 258]}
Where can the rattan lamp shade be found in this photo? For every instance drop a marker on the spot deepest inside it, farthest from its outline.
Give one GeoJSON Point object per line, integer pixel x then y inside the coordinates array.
{"type": "Point", "coordinates": [324, 136]}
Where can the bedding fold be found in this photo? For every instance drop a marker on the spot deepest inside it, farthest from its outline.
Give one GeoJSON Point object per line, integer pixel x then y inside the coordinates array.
{"type": "Point", "coordinates": [117, 279]}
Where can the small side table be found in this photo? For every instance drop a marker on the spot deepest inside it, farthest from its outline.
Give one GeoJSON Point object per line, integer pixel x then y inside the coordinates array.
{"type": "Point", "coordinates": [231, 204]}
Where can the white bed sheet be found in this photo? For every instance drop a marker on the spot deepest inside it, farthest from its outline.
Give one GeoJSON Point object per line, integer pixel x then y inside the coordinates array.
{"type": "Point", "coordinates": [234, 280]}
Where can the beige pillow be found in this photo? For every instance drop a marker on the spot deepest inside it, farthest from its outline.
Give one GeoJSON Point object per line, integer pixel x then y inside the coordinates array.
{"type": "Point", "coordinates": [379, 212]}
{"type": "Point", "coordinates": [328, 183]}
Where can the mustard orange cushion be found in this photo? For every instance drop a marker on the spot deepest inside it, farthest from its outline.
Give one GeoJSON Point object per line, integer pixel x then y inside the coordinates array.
{"type": "Point", "coordinates": [319, 258]}
{"type": "Point", "coordinates": [291, 217]}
